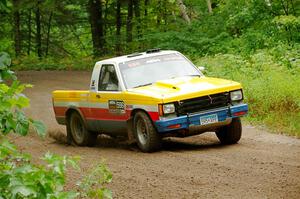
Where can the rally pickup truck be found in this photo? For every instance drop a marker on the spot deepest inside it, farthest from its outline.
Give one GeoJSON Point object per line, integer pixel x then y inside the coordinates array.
{"type": "Point", "coordinates": [150, 95]}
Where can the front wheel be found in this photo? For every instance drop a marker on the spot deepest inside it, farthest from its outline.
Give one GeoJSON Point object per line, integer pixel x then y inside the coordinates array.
{"type": "Point", "coordinates": [145, 133]}
{"type": "Point", "coordinates": [231, 133]}
{"type": "Point", "coordinates": [78, 133]}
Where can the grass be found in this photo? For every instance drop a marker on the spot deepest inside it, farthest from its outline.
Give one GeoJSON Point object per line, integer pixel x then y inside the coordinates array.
{"type": "Point", "coordinates": [271, 86]}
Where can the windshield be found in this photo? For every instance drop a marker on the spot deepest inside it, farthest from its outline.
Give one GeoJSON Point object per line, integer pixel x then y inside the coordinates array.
{"type": "Point", "coordinates": [148, 70]}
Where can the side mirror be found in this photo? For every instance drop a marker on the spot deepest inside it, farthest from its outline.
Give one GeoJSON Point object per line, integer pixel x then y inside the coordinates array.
{"type": "Point", "coordinates": [201, 68]}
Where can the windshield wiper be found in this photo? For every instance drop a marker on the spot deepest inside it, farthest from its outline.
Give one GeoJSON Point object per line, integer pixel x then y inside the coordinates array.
{"type": "Point", "coordinates": [193, 75]}
{"type": "Point", "coordinates": [143, 85]}
{"type": "Point", "coordinates": [185, 76]}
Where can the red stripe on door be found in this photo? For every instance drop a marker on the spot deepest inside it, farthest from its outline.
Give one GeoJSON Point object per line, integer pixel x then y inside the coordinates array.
{"type": "Point", "coordinates": [101, 114]}
{"type": "Point", "coordinates": [104, 114]}
{"type": "Point", "coordinates": [60, 111]}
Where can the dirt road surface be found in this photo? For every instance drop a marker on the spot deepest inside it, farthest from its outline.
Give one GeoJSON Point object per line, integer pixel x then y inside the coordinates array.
{"type": "Point", "coordinates": [262, 165]}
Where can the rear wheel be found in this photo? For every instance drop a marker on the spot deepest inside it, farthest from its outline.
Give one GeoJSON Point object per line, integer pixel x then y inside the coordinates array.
{"type": "Point", "coordinates": [145, 133]}
{"type": "Point", "coordinates": [231, 133]}
{"type": "Point", "coordinates": [78, 132]}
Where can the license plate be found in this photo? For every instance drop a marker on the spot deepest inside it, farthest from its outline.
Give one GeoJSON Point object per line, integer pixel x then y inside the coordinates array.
{"type": "Point", "coordinates": [209, 119]}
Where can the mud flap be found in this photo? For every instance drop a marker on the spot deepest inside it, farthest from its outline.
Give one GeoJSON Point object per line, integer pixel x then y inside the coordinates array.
{"type": "Point", "coordinates": [131, 138]}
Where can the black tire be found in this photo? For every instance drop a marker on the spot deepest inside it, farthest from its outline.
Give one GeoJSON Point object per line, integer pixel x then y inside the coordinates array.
{"type": "Point", "coordinates": [78, 133]}
{"type": "Point", "coordinates": [231, 133]}
{"type": "Point", "coordinates": [145, 133]}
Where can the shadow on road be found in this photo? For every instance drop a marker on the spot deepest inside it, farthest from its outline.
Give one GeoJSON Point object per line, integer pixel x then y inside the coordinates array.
{"type": "Point", "coordinates": [175, 144]}
{"type": "Point", "coordinates": [199, 142]}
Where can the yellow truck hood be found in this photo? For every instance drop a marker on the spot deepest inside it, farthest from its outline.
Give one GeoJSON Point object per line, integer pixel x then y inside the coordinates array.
{"type": "Point", "coordinates": [186, 87]}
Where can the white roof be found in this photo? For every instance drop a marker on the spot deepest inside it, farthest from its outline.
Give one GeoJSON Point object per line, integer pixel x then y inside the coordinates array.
{"type": "Point", "coordinates": [125, 58]}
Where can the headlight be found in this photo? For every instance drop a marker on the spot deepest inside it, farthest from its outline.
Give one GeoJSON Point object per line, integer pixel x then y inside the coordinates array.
{"type": "Point", "coordinates": [236, 95]}
{"type": "Point", "coordinates": [168, 108]}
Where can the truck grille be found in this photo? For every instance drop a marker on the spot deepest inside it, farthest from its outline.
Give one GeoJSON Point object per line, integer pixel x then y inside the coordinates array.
{"type": "Point", "coordinates": [203, 103]}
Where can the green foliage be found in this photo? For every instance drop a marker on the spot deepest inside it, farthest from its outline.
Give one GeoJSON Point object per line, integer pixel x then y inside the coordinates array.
{"type": "Point", "coordinates": [19, 177]}
{"type": "Point", "coordinates": [289, 20]}
{"type": "Point", "coordinates": [235, 26]}
{"type": "Point", "coordinates": [12, 101]}
{"type": "Point", "coordinates": [5, 73]}
{"type": "Point", "coordinates": [22, 179]}
{"type": "Point", "coordinates": [288, 26]}
{"type": "Point", "coordinates": [271, 80]}
{"type": "Point", "coordinates": [3, 5]}
{"type": "Point", "coordinates": [93, 185]}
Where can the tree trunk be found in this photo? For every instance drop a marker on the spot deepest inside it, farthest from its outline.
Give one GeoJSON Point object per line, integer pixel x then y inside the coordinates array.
{"type": "Point", "coordinates": [183, 11]}
{"type": "Point", "coordinates": [129, 21]}
{"type": "Point", "coordinates": [105, 18]}
{"type": "Point", "coordinates": [48, 32]}
{"type": "Point", "coordinates": [209, 6]}
{"type": "Point", "coordinates": [293, 8]}
{"type": "Point", "coordinates": [158, 11]}
{"type": "Point", "coordinates": [165, 10]}
{"type": "Point", "coordinates": [118, 28]}
{"type": "Point", "coordinates": [137, 15]}
{"type": "Point", "coordinates": [17, 31]}
{"type": "Point", "coordinates": [95, 18]}
{"type": "Point", "coordinates": [284, 7]}
{"type": "Point", "coordinates": [29, 33]}
{"type": "Point", "coordinates": [145, 19]}
{"type": "Point", "coordinates": [146, 2]}
{"type": "Point", "coordinates": [38, 30]}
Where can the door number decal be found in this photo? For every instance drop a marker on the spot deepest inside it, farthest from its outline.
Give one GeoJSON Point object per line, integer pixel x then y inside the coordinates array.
{"type": "Point", "coordinates": [116, 106]}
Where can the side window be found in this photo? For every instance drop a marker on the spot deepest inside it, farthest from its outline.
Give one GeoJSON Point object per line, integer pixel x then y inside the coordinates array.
{"type": "Point", "coordinates": [108, 80]}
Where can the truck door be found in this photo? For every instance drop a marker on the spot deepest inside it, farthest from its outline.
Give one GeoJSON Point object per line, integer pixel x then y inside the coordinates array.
{"type": "Point", "coordinates": [108, 110]}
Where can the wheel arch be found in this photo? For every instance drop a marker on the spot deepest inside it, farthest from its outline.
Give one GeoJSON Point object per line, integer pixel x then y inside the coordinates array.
{"type": "Point", "coordinates": [72, 109]}
{"type": "Point", "coordinates": [134, 111]}
{"type": "Point", "coordinates": [153, 141]}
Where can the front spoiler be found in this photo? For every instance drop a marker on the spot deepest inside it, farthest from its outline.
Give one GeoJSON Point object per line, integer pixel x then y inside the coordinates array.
{"type": "Point", "coordinates": [193, 120]}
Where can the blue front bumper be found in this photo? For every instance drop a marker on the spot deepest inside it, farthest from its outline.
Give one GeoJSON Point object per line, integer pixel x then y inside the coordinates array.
{"type": "Point", "coordinates": [184, 122]}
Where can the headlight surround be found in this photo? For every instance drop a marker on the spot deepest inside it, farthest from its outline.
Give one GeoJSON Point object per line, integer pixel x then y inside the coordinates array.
{"type": "Point", "coordinates": [168, 108]}
{"type": "Point", "coordinates": [236, 95]}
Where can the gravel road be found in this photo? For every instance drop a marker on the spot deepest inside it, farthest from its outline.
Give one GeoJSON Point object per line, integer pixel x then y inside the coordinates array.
{"type": "Point", "coordinates": [262, 165]}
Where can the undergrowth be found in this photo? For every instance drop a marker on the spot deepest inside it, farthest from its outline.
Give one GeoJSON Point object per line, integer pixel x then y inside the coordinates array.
{"type": "Point", "coordinates": [271, 83]}
{"type": "Point", "coordinates": [52, 63]}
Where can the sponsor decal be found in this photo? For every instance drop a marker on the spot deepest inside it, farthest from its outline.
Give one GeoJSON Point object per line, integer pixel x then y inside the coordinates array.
{"type": "Point", "coordinates": [116, 107]}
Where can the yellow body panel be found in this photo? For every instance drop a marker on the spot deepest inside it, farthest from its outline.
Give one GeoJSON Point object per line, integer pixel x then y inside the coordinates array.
{"type": "Point", "coordinates": [164, 91]}
{"type": "Point", "coordinates": [185, 88]}
{"type": "Point", "coordinates": [70, 95]}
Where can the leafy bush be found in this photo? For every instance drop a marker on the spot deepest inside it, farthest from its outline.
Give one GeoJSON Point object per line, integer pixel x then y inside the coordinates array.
{"type": "Point", "coordinates": [12, 101]}
{"type": "Point", "coordinates": [22, 179]}
{"type": "Point", "coordinates": [19, 178]}
{"type": "Point", "coordinates": [93, 185]}
{"type": "Point", "coordinates": [288, 26]}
